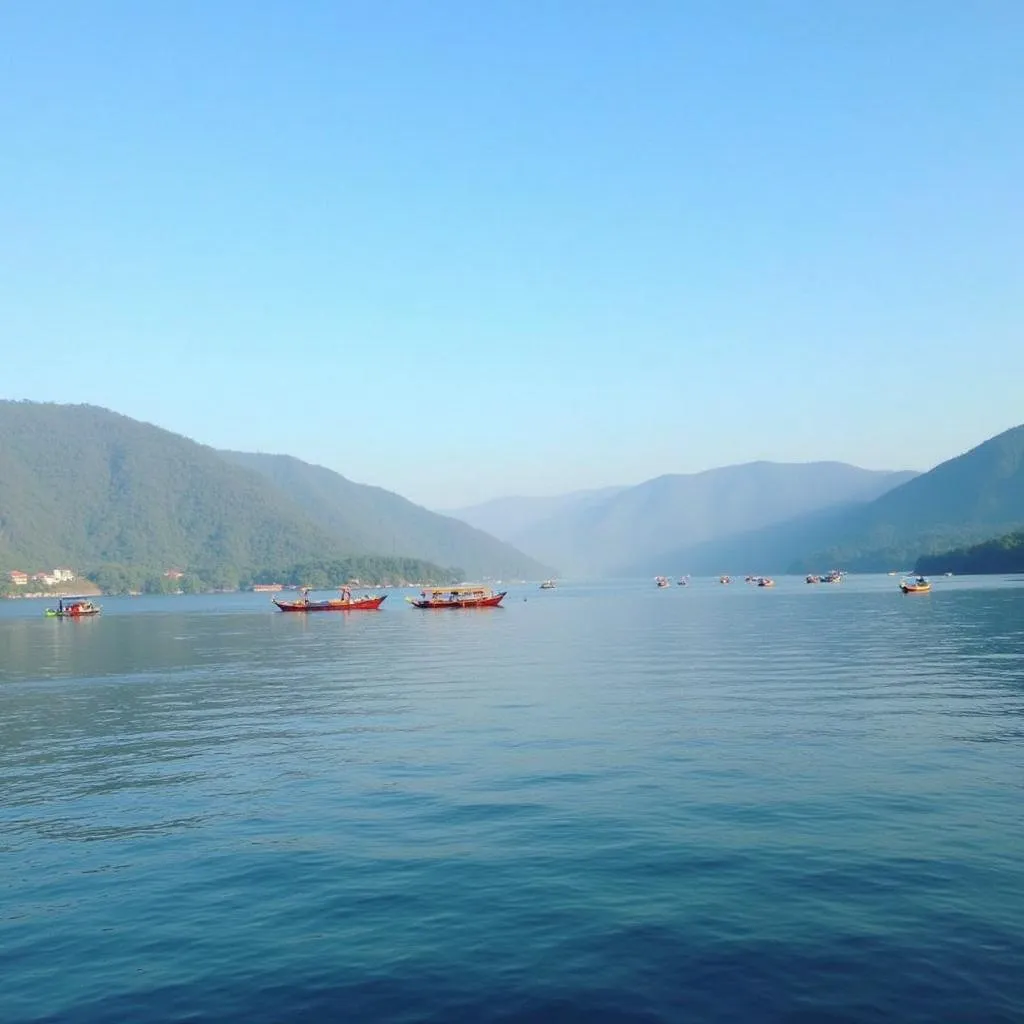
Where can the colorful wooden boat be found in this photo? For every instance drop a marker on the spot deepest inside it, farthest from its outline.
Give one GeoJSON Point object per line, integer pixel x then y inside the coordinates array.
{"type": "Point", "coordinates": [457, 597]}
{"type": "Point", "coordinates": [345, 603]}
{"type": "Point", "coordinates": [73, 608]}
{"type": "Point", "coordinates": [919, 586]}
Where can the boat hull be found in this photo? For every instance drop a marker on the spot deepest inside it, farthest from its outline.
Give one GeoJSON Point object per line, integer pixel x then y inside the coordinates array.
{"type": "Point", "coordinates": [483, 602]}
{"type": "Point", "coordinates": [364, 604]}
{"type": "Point", "coordinates": [914, 590]}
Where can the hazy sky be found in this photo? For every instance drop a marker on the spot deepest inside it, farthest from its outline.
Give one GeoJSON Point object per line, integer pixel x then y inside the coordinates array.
{"type": "Point", "coordinates": [480, 248]}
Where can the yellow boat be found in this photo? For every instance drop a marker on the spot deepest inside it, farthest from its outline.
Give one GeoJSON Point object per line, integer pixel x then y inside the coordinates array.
{"type": "Point", "coordinates": [919, 586]}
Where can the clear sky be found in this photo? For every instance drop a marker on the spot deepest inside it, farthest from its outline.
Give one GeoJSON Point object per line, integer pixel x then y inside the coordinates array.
{"type": "Point", "coordinates": [479, 248]}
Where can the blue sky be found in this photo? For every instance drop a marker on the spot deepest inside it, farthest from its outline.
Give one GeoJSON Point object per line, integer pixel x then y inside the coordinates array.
{"type": "Point", "coordinates": [469, 249]}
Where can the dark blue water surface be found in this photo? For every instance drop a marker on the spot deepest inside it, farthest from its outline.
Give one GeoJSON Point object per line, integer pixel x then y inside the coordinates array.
{"type": "Point", "coordinates": [599, 803]}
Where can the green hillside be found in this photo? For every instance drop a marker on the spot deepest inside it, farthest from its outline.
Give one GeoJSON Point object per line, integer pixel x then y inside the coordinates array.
{"type": "Point", "coordinates": [1002, 555]}
{"type": "Point", "coordinates": [85, 487]}
{"type": "Point", "coordinates": [365, 518]}
{"type": "Point", "coordinates": [966, 500]}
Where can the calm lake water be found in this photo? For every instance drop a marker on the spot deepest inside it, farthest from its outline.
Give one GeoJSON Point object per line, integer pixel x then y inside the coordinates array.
{"type": "Point", "coordinates": [599, 803]}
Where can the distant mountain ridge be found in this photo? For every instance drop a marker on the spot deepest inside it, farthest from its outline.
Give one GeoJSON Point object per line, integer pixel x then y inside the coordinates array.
{"type": "Point", "coordinates": [513, 516]}
{"type": "Point", "coordinates": [971, 498]}
{"type": "Point", "coordinates": [82, 486]}
{"type": "Point", "coordinates": [627, 531]}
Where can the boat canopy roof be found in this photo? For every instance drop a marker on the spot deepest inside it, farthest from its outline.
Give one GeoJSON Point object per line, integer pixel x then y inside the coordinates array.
{"type": "Point", "coordinates": [463, 589]}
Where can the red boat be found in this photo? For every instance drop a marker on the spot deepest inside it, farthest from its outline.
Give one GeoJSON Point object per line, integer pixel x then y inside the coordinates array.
{"type": "Point", "coordinates": [457, 597]}
{"type": "Point", "coordinates": [73, 608]}
{"type": "Point", "coordinates": [345, 603]}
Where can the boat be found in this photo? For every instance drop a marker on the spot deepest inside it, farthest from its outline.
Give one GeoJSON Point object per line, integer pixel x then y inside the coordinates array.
{"type": "Point", "coordinates": [813, 579]}
{"type": "Point", "coordinates": [918, 586]}
{"type": "Point", "coordinates": [470, 596]}
{"type": "Point", "coordinates": [683, 581]}
{"type": "Point", "coordinates": [345, 603]}
{"type": "Point", "coordinates": [766, 581]}
{"type": "Point", "coordinates": [662, 581]}
{"type": "Point", "coordinates": [73, 608]}
{"type": "Point", "coordinates": [548, 585]}
{"type": "Point", "coordinates": [725, 579]}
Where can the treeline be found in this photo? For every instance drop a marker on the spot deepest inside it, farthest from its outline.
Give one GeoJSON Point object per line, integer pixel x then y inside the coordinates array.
{"type": "Point", "coordinates": [1001, 555]}
{"type": "Point", "coordinates": [368, 569]}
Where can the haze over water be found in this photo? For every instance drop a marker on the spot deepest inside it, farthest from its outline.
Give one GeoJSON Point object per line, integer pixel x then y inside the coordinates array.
{"type": "Point", "coordinates": [600, 803]}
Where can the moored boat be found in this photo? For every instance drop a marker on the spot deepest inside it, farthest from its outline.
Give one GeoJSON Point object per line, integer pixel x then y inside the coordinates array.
{"type": "Point", "coordinates": [725, 579]}
{"type": "Point", "coordinates": [345, 603]}
{"type": "Point", "coordinates": [765, 581]}
{"type": "Point", "coordinates": [661, 581]}
{"type": "Point", "coordinates": [457, 597]}
{"type": "Point", "coordinates": [73, 608]}
{"type": "Point", "coordinates": [548, 585]}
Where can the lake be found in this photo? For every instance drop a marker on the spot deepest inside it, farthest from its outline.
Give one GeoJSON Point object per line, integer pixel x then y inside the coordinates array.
{"type": "Point", "coordinates": [598, 803]}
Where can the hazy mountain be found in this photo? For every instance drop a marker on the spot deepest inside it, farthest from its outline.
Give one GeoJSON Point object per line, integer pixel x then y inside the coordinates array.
{"type": "Point", "coordinates": [622, 533]}
{"type": "Point", "coordinates": [510, 518]}
{"type": "Point", "coordinates": [83, 486]}
{"type": "Point", "coordinates": [365, 518]}
{"type": "Point", "coordinates": [971, 498]}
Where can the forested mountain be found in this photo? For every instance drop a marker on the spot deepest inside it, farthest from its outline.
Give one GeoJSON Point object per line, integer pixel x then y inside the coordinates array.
{"type": "Point", "coordinates": [83, 486]}
{"type": "Point", "coordinates": [365, 518]}
{"type": "Point", "coordinates": [627, 532]}
{"type": "Point", "coordinates": [968, 499]}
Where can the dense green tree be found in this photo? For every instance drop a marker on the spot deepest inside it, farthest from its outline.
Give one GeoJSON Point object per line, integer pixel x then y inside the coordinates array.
{"type": "Point", "coordinates": [1001, 555]}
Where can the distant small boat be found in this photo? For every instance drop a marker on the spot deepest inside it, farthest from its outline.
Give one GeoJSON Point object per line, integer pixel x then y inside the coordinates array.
{"type": "Point", "coordinates": [345, 603]}
{"type": "Point", "coordinates": [725, 579]}
{"type": "Point", "coordinates": [766, 581]}
{"type": "Point", "coordinates": [918, 586]}
{"type": "Point", "coordinates": [548, 585]}
{"type": "Point", "coordinates": [73, 608]}
{"type": "Point", "coordinates": [661, 581]}
{"type": "Point", "coordinates": [457, 597]}
{"type": "Point", "coordinates": [813, 579]}
{"type": "Point", "coordinates": [683, 581]}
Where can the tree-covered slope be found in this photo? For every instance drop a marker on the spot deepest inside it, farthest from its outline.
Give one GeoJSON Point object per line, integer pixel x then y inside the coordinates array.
{"type": "Point", "coordinates": [965, 500]}
{"type": "Point", "coordinates": [1001, 555]}
{"type": "Point", "coordinates": [365, 518]}
{"type": "Point", "coordinates": [82, 485]}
